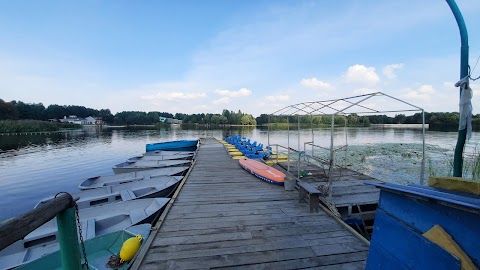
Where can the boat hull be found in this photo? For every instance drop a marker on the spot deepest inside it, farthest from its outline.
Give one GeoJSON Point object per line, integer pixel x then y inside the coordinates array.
{"type": "Point", "coordinates": [160, 157]}
{"type": "Point", "coordinates": [180, 145]}
{"type": "Point", "coordinates": [134, 166]}
{"type": "Point", "coordinates": [154, 187]}
{"type": "Point", "coordinates": [263, 171]}
{"type": "Point", "coordinates": [118, 179]}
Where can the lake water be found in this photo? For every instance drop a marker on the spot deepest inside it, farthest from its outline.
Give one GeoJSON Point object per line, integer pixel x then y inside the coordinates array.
{"type": "Point", "coordinates": [36, 166]}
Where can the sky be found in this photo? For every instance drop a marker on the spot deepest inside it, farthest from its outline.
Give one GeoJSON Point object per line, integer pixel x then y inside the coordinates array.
{"type": "Point", "coordinates": [191, 56]}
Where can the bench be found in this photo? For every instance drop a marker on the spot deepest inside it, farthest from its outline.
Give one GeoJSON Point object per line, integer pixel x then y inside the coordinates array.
{"type": "Point", "coordinates": [310, 194]}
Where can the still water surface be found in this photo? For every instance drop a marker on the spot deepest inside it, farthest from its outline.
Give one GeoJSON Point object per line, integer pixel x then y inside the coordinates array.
{"type": "Point", "coordinates": [35, 166]}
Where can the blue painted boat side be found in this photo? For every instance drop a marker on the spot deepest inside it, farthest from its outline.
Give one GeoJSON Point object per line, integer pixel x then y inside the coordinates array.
{"type": "Point", "coordinates": [420, 208]}
{"type": "Point", "coordinates": [395, 245]}
{"type": "Point", "coordinates": [469, 202]}
{"type": "Point", "coordinates": [172, 145]}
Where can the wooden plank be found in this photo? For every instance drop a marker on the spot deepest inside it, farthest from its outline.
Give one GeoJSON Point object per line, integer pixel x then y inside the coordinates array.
{"type": "Point", "coordinates": [323, 261]}
{"type": "Point", "coordinates": [219, 219]}
{"type": "Point", "coordinates": [339, 248]}
{"type": "Point", "coordinates": [252, 245]}
{"type": "Point", "coordinates": [228, 260]}
{"type": "Point", "coordinates": [273, 230]}
{"type": "Point", "coordinates": [194, 239]}
{"type": "Point", "coordinates": [349, 265]}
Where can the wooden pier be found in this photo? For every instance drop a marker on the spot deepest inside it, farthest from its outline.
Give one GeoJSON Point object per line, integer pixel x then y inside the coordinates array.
{"type": "Point", "coordinates": [224, 217]}
{"type": "Point", "coordinates": [350, 199]}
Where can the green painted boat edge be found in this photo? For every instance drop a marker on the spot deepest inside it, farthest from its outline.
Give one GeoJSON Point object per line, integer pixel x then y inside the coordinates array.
{"type": "Point", "coordinates": [98, 249]}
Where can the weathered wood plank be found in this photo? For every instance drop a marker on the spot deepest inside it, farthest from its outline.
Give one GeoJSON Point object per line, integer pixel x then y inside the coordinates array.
{"type": "Point", "coordinates": [322, 262]}
{"type": "Point", "coordinates": [252, 245]}
{"type": "Point", "coordinates": [282, 216]}
{"type": "Point", "coordinates": [343, 266]}
{"type": "Point", "coordinates": [273, 230]}
{"type": "Point", "coordinates": [228, 260]}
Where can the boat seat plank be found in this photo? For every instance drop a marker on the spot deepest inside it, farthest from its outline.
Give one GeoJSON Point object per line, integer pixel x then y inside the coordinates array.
{"type": "Point", "coordinates": [88, 228]}
{"type": "Point", "coordinates": [127, 195]}
{"type": "Point", "coordinates": [310, 194]}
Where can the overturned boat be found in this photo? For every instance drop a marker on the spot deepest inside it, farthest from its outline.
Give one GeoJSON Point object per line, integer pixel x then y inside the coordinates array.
{"type": "Point", "coordinates": [173, 145]}
{"type": "Point", "coordinates": [159, 186]}
{"type": "Point", "coordinates": [94, 221]}
{"type": "Point", "coordinates": [133, 166]}
{"type": "Point", "coordinates": [118, 179]}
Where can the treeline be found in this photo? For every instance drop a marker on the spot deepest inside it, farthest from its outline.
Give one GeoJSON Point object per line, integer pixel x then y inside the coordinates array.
{"type": "Point", "coordinates": [18, 110]}
{"type": "Point", "coordinates": [227, 117]}
{"type": "Point", "coordinates": [317, 120]}
{"type": "Point", "coordinates": [436, 120]}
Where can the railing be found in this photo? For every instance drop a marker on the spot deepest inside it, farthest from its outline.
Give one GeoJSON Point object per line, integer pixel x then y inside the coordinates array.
{"type": "Point", "coordinates": [62, 206]}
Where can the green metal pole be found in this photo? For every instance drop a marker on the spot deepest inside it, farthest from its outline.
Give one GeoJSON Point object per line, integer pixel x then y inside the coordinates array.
{"type": "Point", "coordinates": [462, 134]}
{"type": "Point", "coordinates": [68, 240]}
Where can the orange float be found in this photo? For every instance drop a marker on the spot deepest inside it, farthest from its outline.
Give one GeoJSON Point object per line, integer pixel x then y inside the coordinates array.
{"type": "Point", "coordinates": [263, 171]}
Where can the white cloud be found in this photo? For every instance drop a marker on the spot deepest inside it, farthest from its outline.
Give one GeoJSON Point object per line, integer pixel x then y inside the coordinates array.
{"type": "Point", "coordinates": [316, 84]}
{"type": "Point", "coordinates": [426, 89]}
{"type": "Point", "coordinates": [279, 98]}
{"type": "Point", "coordinates": [223, 100]}
{"type": "Point", "coordinates": [243, 92]}
{"type": "Point", "coordinates": [423, 93]}
{"type": "Point", "coordinates": [363, 91]}
{"type": "Point", "coordinates": [360, 74]}
{"type": "Point", "coordinates": [389, 70]}
{"type": "Point", "coordinates": [174, 96]}
{"type": "Point", "coordinates": [449, 85]}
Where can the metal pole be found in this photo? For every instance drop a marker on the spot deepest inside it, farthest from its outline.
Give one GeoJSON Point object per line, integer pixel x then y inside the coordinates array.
{"type": "Point", "coordinates": [422, 170]}
{"type": "Point", "coordinates": [288, 144]}
{"type": "Point", "coordinates": [298, 141]}
{"type": "Point", "coordinates": [346, 142]}
{"type": "Point", "coordinates": [68, 240]}
{"type": "Point", "coordinates": [462, 134]}
{"type": "Point", "coordinates": [268, 132]}
{"type": "Point", "coordinates": [313, 137]}
{"type": "Point", "coordinates": [330, 171]}
{"type": "Point", "coordinates": [331, 139]}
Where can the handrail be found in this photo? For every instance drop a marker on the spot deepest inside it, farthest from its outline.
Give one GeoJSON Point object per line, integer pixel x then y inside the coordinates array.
{"type": "Point", "coordinates": [17, 228]}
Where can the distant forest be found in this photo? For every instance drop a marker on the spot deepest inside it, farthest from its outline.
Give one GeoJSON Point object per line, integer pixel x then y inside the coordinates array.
{"type": "Point", "coordinates": [18, 110]}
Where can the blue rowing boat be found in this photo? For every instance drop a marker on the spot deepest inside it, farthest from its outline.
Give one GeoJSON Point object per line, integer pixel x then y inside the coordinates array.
{"type": "Point", "coordinates": [180, 145]}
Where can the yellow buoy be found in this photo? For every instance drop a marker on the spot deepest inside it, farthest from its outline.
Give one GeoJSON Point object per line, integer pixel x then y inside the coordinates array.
{"type": "Point", "coordinates": [130, 248]}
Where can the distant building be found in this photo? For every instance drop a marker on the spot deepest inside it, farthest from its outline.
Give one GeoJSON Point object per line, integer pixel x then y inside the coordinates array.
{"type": "Point", "coordinates": [169, 120]}
{"type": "Point", "coordinates": [78, 120]}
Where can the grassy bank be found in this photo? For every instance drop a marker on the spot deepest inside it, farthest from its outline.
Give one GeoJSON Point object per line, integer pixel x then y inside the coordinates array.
{"type": "Point", "coordinates": [13, 126]}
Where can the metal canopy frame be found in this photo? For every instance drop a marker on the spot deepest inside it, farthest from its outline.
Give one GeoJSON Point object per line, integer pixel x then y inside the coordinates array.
{"type": "Point", "coordinates": [345, 106]}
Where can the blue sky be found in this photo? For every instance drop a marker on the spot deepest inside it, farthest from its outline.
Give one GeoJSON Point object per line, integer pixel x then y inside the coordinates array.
{"type": "Point", "coordinates": [254, 56]}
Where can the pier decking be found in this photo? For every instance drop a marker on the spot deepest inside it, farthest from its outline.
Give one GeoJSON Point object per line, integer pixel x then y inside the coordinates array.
{"type": "Point", "coordinates": [226, 218]}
